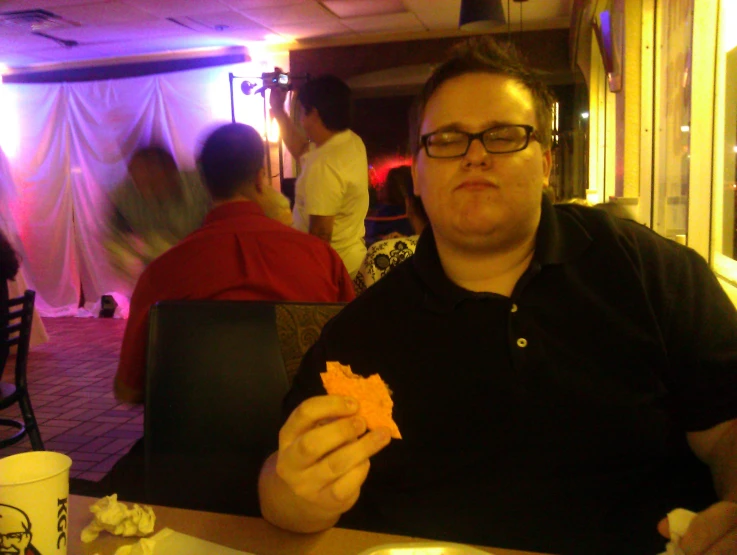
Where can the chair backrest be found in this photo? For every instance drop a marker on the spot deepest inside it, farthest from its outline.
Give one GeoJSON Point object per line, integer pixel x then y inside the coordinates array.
{"type": "Point", "coordinates": [15, 330]}
{"type": "Point", "coordinates": [215, 381]}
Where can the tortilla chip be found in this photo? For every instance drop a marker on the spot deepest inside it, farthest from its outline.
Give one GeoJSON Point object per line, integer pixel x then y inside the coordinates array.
{"type": "Point", "coordinates": [375, 402]}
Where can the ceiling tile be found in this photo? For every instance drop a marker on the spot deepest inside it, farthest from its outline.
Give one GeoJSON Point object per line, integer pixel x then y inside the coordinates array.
{"type": "Point", "coordinates": [384, 23]}
{"type": "Point", "coordinates": [312, 30]}
{"type": "Point", "coordinates": [159, 45]}
{"type": "Point", "coordinates": [121, 49]}
{"type": "Point", "coordinates": [358, 8]}
{"type": "Point", "coordinates": [102, 14]}
{"type": "Point", "coordinates": [61, 54]}
{"type": "Point", "coordinates": [306, 12]}
{"type": "Point", "coordinates": [174, 8]}
{"type": "Point", "coordinates": [22, 42]}
{"type": "Point", "coordinates": [142, 30]}
{"type": "Point", "coordinates": [220, 21]}
{"type": "Point", "coordinates": [17, 5]}
{"type": "Point", "coordinates": [249, 4]}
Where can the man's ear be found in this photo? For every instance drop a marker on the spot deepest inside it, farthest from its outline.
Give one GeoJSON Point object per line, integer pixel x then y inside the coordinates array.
{"type": "Point", "coordinates": [415, 189]}
{"type": "Point", "coordinates": [262, 180]}
{"type": "Point", "coordinates": [547, 166]}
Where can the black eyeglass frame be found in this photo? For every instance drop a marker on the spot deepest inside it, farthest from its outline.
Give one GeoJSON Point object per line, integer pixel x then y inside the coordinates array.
{"type": "Point", "coordinates": [530, 133]}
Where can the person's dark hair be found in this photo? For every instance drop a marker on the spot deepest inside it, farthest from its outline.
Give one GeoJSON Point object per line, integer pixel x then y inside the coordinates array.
{"type": "Point", "coordinates": [398, 181]}
{"type": "Point", "coordinates": [155, 154]}
{"type": "Point", "coordinates": [231, 157]}
{"type": "Point", "coordinates": [331, 97]}
{"type": "Point", "coordinates": [483, 54]}
{"type": "Point", "coordinates": [9, 261]}
{"type": "Point", "coordinates": [406, 188]}
{"type": "Point", "coordinates": [416, 206]}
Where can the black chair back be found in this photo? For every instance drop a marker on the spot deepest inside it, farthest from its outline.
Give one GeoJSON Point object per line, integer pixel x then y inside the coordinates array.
{"type": "Point", "coordinates": [16, 332]}
{"type": "Point", "coordinates": [215, 380]}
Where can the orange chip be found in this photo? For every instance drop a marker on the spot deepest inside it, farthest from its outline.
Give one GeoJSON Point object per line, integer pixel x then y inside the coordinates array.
{"type": "Point", "coordinates": [375, 403]}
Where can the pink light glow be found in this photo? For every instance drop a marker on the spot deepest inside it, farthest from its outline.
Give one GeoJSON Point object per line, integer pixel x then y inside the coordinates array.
{"type": "Point", "coordinates": [380, 167]}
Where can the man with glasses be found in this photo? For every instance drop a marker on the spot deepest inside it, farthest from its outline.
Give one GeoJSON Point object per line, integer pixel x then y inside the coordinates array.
{"type": "Point", "coordinates": [15, 532]}
{"type": "Point", "coordinates": [560, 372]}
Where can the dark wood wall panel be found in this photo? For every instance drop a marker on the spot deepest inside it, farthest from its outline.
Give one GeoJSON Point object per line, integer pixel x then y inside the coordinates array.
{"type": "Point", "coordinates": [383, 125]}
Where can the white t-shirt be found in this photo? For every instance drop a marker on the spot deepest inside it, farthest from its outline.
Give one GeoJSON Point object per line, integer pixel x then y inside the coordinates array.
{"type": "Point", "coordinates": [334, 182]}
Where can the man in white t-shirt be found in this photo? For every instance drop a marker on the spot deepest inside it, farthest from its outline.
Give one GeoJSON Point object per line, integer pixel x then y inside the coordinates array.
{"type": "Point", "coordinates": [331, 193]}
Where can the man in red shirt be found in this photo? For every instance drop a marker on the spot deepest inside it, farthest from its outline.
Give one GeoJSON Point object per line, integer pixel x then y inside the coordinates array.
{"type": "Point", "coordinates": [238, 254]}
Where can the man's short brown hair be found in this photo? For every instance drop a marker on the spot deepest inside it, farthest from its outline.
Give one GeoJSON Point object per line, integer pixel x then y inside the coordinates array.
{"type": "Point", "coordinates": [485, 55]}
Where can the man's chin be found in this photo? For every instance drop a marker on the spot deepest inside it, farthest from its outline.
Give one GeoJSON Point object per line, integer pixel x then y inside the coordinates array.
{"type": "Point", "coordinates": [12, 551]}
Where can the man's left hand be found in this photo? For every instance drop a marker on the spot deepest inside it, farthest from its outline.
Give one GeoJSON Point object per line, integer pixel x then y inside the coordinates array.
{"type": "Point", "coordinates": [712, 532]}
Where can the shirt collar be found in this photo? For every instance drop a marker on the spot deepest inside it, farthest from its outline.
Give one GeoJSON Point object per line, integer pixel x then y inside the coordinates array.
{"type": "Point", "coordinates": [560, 238]}
{"type": "Point", "coordinates": [233, 210]}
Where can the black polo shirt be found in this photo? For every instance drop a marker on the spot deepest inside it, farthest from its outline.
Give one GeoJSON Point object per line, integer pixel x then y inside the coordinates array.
{"type": "Point", "coordinates": [553, 420]}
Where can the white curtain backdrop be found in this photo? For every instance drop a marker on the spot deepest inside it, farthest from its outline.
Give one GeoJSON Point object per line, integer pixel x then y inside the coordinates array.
{"type": "Point", "coordinates": [73, 141]}
{"type": "Point", "coordinates": [8, 194]}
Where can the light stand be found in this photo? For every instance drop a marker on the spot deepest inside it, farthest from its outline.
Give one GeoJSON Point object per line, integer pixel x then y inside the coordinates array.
{"type": "Point", "coordinates": [232, 77]}
{"type": "Point", "coordinates": [262, 91]}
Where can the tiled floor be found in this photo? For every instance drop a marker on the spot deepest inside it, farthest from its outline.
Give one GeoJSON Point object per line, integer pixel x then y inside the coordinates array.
{"type": "Point", "coordinates": [70, 380]}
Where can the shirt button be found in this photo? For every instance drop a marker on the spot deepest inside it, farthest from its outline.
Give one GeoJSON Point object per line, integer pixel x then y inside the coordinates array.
{"type": "Point", "coordinates": [514, 308]}
{"type": "Point", "coordinates": [522, 342]}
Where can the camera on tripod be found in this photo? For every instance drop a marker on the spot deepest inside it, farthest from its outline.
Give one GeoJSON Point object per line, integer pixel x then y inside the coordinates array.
{"type": "Point", "coordinates": [276, 79]}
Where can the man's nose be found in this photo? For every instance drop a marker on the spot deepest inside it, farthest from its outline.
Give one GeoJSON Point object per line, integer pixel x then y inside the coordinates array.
{"type": "Point", "coordinates": [477, 153]}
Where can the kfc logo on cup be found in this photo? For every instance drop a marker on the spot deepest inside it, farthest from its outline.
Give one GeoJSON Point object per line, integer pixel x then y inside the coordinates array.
{"type": "Point", "coordinates": [34, 503]}
{"type": "Point", "coordinates": [15, 532]}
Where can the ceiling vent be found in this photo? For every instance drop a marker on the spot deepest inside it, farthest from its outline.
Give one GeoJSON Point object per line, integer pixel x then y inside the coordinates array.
{"type": "Point", "coordinates": [215, 22]}
{"type": "Point", "coordinates": [34, 20]}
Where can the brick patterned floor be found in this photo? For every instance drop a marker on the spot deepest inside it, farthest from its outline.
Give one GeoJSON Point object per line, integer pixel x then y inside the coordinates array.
{"type": "Point", "coordinates": [70, 380]}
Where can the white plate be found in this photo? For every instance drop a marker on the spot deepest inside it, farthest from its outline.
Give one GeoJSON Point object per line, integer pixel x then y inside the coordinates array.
{"type": "Point", "coordinates": [423, 548]}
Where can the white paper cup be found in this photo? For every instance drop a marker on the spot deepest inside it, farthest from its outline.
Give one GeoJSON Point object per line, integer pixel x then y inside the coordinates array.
{"type": "Point", "coordinates": [34, 503]}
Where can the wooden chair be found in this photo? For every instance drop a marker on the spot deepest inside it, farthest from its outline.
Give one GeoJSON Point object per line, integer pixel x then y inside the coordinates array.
{"type": "Point", "coordinates": [216, 374]}
{"type": "Point", "coordinates": [17, 332]}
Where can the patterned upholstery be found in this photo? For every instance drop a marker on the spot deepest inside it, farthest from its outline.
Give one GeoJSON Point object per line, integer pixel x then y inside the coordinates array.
{"type": "Point", "coordinates": [298, 326]}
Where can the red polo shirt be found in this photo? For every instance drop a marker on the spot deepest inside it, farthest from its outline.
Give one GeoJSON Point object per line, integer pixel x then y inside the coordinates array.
{"type": "Point", "coordinates": [237, 254]}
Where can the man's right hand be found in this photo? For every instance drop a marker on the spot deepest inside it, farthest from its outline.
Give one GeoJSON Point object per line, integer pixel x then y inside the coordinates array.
{"type": "Point", "coordinates": [276, 101]}
{"type": "Point", "coordinates": [293, 137]}
{"type": "Point", "coordinates": [324, 454]}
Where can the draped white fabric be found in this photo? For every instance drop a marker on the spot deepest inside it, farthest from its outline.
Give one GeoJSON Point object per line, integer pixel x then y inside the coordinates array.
{"type": "Point", "coordinates": [8, 194]}
{"type": "Point", "coordinates": [73, 143]}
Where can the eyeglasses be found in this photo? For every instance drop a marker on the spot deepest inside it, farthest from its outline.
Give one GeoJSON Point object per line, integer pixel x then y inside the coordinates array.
{"type": "Point", "coordinates": [13, 537]}
{"type": "Point", "coordinates": [501, 139]}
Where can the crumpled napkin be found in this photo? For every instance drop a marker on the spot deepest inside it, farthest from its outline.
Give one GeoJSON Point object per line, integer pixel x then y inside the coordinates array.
{"type": "Point", "coordinates": [678, 521]}
{"type": "Point", "coordinates": [116, 518]}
